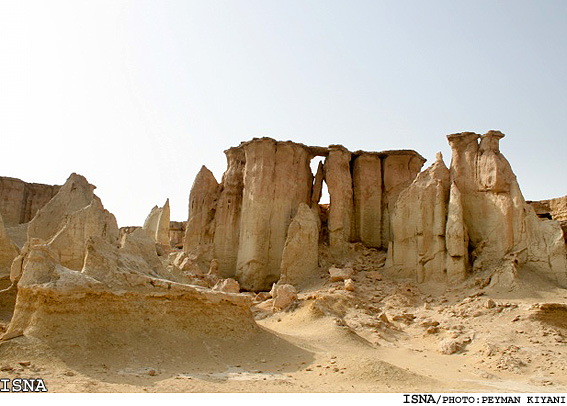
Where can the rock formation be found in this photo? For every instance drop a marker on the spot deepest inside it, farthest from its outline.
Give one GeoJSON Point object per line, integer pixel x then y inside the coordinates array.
{"type": "Point", "coordinates": [243, 222]}
{"type": "Point", "coordinates": [277, 178]}
{"type": "Point", "coordinates": [300, 258]}
{"type": "Point", "coordinates": [200, 229]}
{"type": "Point", "coordinates": [339, 182]}
{"type": "Point", "coordinates": [555, 209]}
{"type": "Point", "coordinates": [419, 222]}
{"type": "Point", "coordinates": [7, 253]}
{"type": "Point", "coordinates": [157, 224]}
{"type": "Point", "coordinates": [482, 213]}
{"type": "Point", "coordinates": [367, 182]}
{"type": "Point", "coordinates": [177, 233]}
{"type": "Point", "coordinates": [74, 195]}
{"type": "Point", "coordinates": [20, 201]}
{"type": "Point", "coordinates": [229, 206]}
{"type": "Point", "coordinates": [399, 169]}
{"type": "Point", "coordinates": [77, 284]}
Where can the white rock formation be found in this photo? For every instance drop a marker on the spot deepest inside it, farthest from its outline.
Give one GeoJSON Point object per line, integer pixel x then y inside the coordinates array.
{"type": "Point", "coordinates": [157, 224]}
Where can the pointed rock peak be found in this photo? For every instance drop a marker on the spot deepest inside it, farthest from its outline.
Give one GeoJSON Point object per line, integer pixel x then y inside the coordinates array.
{"type": "Point", "coordinates": [166, 203]}
{"type": "Point", "coordinates": [205, 177]}
{"type": "Point", "coordinates": [80, 180]}
{"type": "Point", "coordinates": [439, 157]}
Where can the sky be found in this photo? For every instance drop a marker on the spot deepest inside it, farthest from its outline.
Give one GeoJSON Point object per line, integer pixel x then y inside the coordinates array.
{"type": "Point", "coordinates": [137, 95]}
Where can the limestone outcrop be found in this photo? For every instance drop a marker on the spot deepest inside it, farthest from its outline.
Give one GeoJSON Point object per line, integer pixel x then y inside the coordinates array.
{"type": "Point", "coordinates": [479, 222]}
{"type": "Point", "coordinates": [300, 258]}
{"type": "Point", "coordinates": [20, 201]}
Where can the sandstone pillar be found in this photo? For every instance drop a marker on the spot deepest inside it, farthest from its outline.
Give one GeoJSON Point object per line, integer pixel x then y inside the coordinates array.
{"type": "Point", "coordinates": [367, 184]}
{"type": "Point", "coordinates": [339, 182]}
{"type": "Point", "coordinates": [227, 216]}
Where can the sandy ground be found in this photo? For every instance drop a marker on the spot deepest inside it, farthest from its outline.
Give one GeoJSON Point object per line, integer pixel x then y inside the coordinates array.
{"type": "Point", "coordinates": [385, 336]}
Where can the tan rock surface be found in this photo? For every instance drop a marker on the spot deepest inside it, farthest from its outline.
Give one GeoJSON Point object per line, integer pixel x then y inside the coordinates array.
{"type": "Point", "coordinates": [339, 182]}
{"type": "Point", "coordinates": [8, 252]}
{"type": "Point", "coordinates": [200, 229]}
{"type": "Point", "coordinates": [157, 224]}
{"type": "Point", "coordinates": [367, 184]}
{"type": "Point", "coordinates": [277, 179]}
{"type": "Point", "coordinates": [300, 259]}
{"type": "Point", "coordinates": [418, 226]}
{"type": "Point", "coordinates": [74, 195]}
{"type": "Point", "coordinates": [229, 206]}
{"type": "Point", "coordinates": [20, 201]}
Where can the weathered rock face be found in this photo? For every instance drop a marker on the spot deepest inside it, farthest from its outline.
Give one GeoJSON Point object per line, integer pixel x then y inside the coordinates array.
{"type": "Point", "coordinates": [277, 178]}
{"type": "Point", "coordinates": [74, 195]}
{"type": "Point", "coordinates": [7, 252]}
{"type": "Point", "coordinates": [177, 233]}
{"type": "Point", "coordinates": [20, 201]}
{"type": "Point", "coordinates": [248, 215]}
{"type": "Point", "coordinates": [486, 216]}
{"type": "Point", "coordinates": [399, 170]}
{"type": "Point", "coordinates": [69, 242]}
{"type": "Point", "coordinates": [419, 223]}
{"type": "Point", "coordinates": [367, 183]}
{"type": "Point", "coordinates": [339, 182]}
{"type": "Point", "coordinates": [76, 225]}
{"type": "Point", "coordinates": [227, 224]}
{"type": "Point", "coordinates": [555, 209]}
{"type": "Point", "coordinates": [89, 306]}
{"type": "Point", "coordinates": [200, 227]}
{"type": "Point", "coordinates": [157, 224]}
{"type": "Point", "coordinates": [300, 259]}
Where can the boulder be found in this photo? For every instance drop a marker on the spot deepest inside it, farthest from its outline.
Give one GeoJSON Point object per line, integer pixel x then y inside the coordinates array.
{"type": "Point", "coordinates": [284, 296]}
{"type": "Point", "coordinates": [228, 285]}
{"type": "Point", "coordinates": [340, 274]}
{"type": "Point", "coordinates": [300, 259]}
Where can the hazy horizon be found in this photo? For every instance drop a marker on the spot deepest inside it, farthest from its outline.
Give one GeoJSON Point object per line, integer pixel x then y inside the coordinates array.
{"type": "Point", "coordinates": [137, 95]}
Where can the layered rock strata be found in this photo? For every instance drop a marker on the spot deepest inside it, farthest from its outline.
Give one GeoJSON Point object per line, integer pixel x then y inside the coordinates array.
{"type": "Point", "coordinates": [77, 286]}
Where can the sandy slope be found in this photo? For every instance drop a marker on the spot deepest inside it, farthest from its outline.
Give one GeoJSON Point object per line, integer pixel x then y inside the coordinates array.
{"type": "Point", "coordinates": [386, 336]}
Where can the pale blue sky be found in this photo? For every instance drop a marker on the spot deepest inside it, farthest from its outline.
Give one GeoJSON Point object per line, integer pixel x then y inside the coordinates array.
{"type": "Point", "coordinates": [137, 95]}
